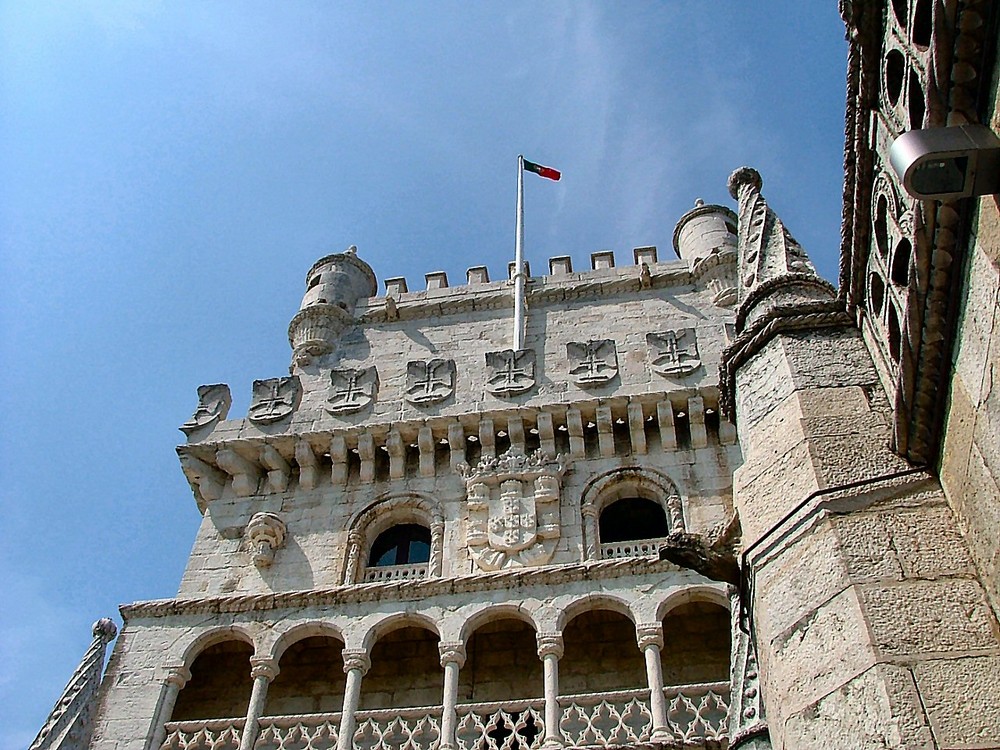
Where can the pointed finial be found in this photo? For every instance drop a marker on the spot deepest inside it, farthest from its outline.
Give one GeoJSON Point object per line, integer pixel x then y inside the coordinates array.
{"type": "Point", "coordinates": [744, 176]}
{"type": "Point", "coordinates": [698, 203]}
{"type": "Point", "coordinates": [352, 250]}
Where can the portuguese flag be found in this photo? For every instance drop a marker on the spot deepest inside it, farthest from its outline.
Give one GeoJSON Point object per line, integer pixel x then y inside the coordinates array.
{"type": "Point", "coordinates": [547, 172]}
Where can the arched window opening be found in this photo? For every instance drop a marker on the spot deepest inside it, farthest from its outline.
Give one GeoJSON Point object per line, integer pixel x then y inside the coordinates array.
{"type": "Point", "coordinates": [696, 645]}
{"type": "Point", "coordinates": [502, 666]}
{"type": "Point", "coordinates": [403, 544]}
{"type": "Point", "coordinates": [405, 671]}
{"type": "Point", "coordinates": [310, 680]}
{"type": "Point", "coordinates": [220, 684]}
{"type": "Point", "coordinates": [629, 521]}
{"type": "Point", "coordinates": [600, 655]}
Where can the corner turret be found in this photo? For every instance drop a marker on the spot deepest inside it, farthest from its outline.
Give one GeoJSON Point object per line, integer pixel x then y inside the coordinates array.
{"type": "Point", "coordinates": [705, 237]}
{"type": "Point", "coordinates": [334, 285]}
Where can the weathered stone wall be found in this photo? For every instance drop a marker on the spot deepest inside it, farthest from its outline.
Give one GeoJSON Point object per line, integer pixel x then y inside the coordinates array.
{"type": "Point", "coordinates": [311, 678]}
{"type": "Point", "coordinates": [601, 655]}
{"type": "Point", "coordinates": [502, 664]}
{"type": "Point", "coordinates": [970, 459]}
{"type": "Point", "coordinates": [696, 644]}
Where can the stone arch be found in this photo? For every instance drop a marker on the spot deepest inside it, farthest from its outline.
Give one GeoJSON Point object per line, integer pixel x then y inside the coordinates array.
{"type": "Point", "coordinates": [592, 602]}
{"type": "Point", "coordinates": [491, 613]}
{"type": "Point", "coordinates": [396, 621]}
{"type": "Point", "coordinates": [211, 637]}
{"type": "Point", "coordinates": [697, 637]}
{"type": "Point", "coordinates": [626, 482]}
{"type": "Point", "coordinates": [384, 512]}
{"type": "Point", "coordinates": [707, 593]}
{"type": "Point", "coordinates": [279, 644]}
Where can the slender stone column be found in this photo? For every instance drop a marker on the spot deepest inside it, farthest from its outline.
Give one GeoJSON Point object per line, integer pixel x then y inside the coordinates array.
{"type": "Point", "coordinates": [356, 665]}
{"type": "Point", "coordinates": [452, 660]}
{"type": "Point", "coordinates": [355, 542]}
{"type": "Point", "coordinates": [262, 670]}
{"type": "Point", "coordinates": [591, 550]}
{"type": "Point", "coordinates": [650, 639]}
{"type": "Point", "coordinates": [177, 677]}
{"type": "Point", "coordinates": [550, 651]}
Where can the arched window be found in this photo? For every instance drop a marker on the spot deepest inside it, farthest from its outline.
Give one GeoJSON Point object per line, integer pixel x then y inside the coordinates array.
{"type": "Point", "coordinates": [403, 544]}
{"type": "Point", "coordinates": [632, 518]}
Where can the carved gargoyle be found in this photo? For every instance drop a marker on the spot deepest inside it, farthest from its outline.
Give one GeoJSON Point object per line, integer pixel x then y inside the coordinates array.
{"type": "Point", "coordinates": [713, 555]}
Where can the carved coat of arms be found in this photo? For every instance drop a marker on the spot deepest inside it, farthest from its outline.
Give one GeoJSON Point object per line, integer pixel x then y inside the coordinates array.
{"type": "Point", "coordinates": [513, 504]}
{"type": "Point", "coordinates": [510, 372]}
{"type": "Point", "coordinates": [428, 381]}
{"type": "Point", "coordinates": [213, 405]}
{"type": "Point", "coordinates": [351, 390]}
{"type": "Point", "coordinates": [274, 399]}
{"type": "Point", "coordinates": [674, 353]}
{"type": "Point", "coordinates": [592, 362]}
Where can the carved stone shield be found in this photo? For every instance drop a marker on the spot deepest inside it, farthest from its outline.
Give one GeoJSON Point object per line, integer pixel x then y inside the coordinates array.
{"type": "Point", "coordinates": [351, 390]}
{"type": "Point", "coordinates": [674, 353]}
{"type": "Point", "coordinates": [592, 362]}
{"type": "Point", "coordinates": [513, 504]}
{"type": "Point", "coordinates": [510, 372]}
{"type": "Point", "coordinates": [274, 399]}
{"type": "Point", "coordinates": [213, 405]}
{"type": "Point", "coordinates": [429, 381]}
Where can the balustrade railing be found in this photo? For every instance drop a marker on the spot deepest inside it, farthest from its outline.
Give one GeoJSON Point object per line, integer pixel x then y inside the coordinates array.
{"type": "Point", "coordinates": [511, 725]}
{"type": "Point", "coordinates": [396, 572]}
{"type": "Point", "coordinates": [633, 548]}
{"type": "Point", "coordinates": [204, 734]}
{"type": "Point", "coordinates": [694, 713]}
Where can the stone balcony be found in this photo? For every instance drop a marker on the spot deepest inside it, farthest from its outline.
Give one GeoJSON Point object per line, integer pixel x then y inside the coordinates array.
{"type": "Point", "coordinates": [635, 548]}
{"type": "Point", "coordinates": [696, 718]}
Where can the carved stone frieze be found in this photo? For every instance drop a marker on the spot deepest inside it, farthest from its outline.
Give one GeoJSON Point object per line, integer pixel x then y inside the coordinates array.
{"type": "Point", "coordinates": [265, 534]}
{"type": "Point", "coordinates": [429, 381]}
{"type": "Point", "coordinates": [510, 372]}
{"type": "Point", "coordinates": [274, 399]}
{"type": "Point", "coordinates": [747, 722]}
{"type": "Point", "coordinates": [674, 353]}
{"type": "Point", "coordinates": [351, 390]}
{"type": "Point", "coordinates": [213, 405]}
{"type": "Point", "coordinates": [513, 504]}
{"type": "Point", "coordinates": [592, 362]}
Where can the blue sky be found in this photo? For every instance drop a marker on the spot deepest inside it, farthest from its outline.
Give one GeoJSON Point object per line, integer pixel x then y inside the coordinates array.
{"type": "Point", "coordinates": [170, 171]}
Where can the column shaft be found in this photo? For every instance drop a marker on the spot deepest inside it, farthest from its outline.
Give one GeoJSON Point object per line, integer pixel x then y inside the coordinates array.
{"type": "Point", "coordinates": [258, 697]}
{"type": "Point", "coordinates": [448, 715]}
{"type": "Point", "coordinates": [550, 666]}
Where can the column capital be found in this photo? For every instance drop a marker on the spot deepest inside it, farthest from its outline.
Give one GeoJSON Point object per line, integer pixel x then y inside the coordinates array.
{"type": "Point", "coordinates": [177, 675]}
{"type": "Point", "coordinates": [356, 660]}
{"type": "Point", "coordinates": [263, 666]}
{"type": "Point", "coordinates": [452, 652]}
{"type": "Point", "coordinates": [549, 644]}
{"type": "Point", "coordinates": [649, 634]}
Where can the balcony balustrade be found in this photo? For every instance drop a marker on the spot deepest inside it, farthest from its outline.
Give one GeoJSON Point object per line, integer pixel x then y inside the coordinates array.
{"type": "Point", "coordinates": [696, 716]}
{"type": "Point", "coordinates": [412, 572]}
{"type": "Point", "coordinates": [634, 548]}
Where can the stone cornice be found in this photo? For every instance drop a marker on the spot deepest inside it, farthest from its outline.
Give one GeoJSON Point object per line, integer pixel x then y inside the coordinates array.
{"type": "Point", "coordinates": [409, 590]}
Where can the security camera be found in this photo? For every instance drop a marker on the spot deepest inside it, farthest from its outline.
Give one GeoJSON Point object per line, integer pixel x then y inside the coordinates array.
{"type": "Point", "coordinates": [947, 163]}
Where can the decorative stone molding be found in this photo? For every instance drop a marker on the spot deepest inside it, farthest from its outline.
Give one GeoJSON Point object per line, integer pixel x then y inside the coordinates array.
{"type": "Point", "coordinates": [550, 644]}
{"type": "Point", "coordinates": [509, 372]}
{"type": "Point", "coordinates": [429, 381]}
{"type": "Point", "coordinates": [649, 634]}
{"type": "Point", "coordinates": [207, 481]}
{"type": "Point", "coordinates": [308, 464]}
{"type": "Point", "coordinates": [513, 504]}
{"type": "Point", "coordinates": [357, 660]}
{"type": "Point", "coordinates": [746, 708]}
{"type": "Point", "coordinates": [674, 353]}
{"type": "Point", "coordinates": [387, 511]}
{"type": "Point", "coordinates": [452, 652]}
{"type": "Point", "coordinates": [213, 406]}
{"type": "Point", "coordinates": [351, 390]}
{"type": "Point", "coordinates": [266, 534]}
{"type": "Point", "coordinates": [263, 666]}
{"type": "Point", "coordinates": [274, 399]}
{"type": "Point", "coordinates": [592, 362]}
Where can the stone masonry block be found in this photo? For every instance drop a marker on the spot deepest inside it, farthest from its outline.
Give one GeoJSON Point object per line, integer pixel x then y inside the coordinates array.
{"type": "Point", "coordinates": [926, 617]}
{"type": "Point", "coordinates": [962, 699]}
{"type": "Point", "coordinates": [878, 709]}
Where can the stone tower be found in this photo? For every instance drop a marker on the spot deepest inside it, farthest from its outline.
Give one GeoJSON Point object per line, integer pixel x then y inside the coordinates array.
{"type": "Point", "coordinates": [422, 537]}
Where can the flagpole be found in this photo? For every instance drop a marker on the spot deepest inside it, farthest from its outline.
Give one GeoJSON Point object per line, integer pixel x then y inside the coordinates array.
{"type": "Point", "coordinates": [519, 260]}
